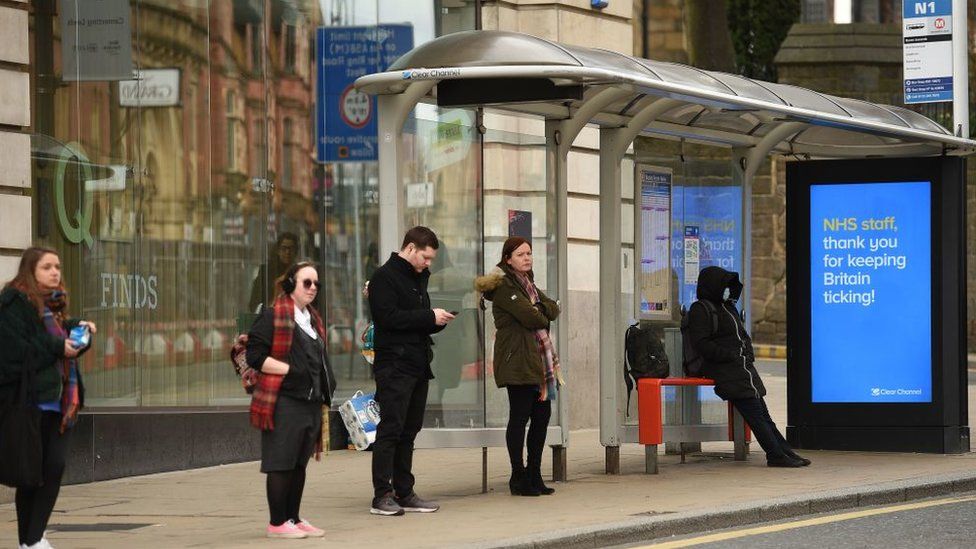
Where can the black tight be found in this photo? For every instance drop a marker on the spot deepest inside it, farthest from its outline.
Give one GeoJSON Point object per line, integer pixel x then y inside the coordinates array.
{"type": "Point", "coordinates": [34, 505]}
{"type": "Point", "coordinates": [285, 494]}
{"type": "Point", "coordinates": [523, 405]}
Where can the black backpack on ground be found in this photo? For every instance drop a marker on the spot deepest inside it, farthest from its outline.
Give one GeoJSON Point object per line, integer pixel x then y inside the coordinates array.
{"type": "Point", "coordinates": [691, 361]}
{"type": "Point", "coordinates": [644, 356]}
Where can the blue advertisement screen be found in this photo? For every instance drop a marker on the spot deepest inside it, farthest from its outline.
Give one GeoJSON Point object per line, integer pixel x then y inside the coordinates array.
{"type": "Point", "coordinates": [715, 214]}
{"type": "Point", "coordinates": [870, 283]}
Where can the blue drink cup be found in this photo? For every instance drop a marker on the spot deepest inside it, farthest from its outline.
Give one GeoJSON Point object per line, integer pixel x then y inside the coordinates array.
{"type": "Point", "coordinates": [80, 337]}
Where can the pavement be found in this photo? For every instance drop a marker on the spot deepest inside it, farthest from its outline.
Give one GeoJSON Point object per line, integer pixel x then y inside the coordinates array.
{"type": "Point", "coordinates": [225, 506]}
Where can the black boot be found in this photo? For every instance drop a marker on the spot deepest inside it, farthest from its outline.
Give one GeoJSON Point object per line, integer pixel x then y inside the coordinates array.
{"type": "Point", "coordinates": [535, 478]}
{"type": "Point", "coordinates": [520, 485]}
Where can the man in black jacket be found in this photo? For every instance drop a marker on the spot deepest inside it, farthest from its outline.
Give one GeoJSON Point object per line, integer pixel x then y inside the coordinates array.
{"type": "Point", "coordinates": [728, 357]}
{"type": "Point", "coordinates": [403, 321]}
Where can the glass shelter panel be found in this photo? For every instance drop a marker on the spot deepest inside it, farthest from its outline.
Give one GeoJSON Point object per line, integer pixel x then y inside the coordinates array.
{"type": "Point", "coordinates": [442, 190]}
{"type": "Point", "coordinates": [517, 202]}
{"type": "Point", "coordinates": [349, 249]}
{"type": "Point", "coordinates": [705, 229]}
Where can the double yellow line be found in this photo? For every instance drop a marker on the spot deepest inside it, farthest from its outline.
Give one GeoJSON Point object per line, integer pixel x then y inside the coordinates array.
{"type": "Point", "coordinates": [759, 530]}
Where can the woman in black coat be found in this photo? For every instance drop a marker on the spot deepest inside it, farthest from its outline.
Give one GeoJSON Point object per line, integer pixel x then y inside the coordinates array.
{"type": "Point", "coordinates": [34, 328]}
{"type": "Point", "coordinates": [726, 348]}
{"type": "Point", "coordinates": [287, 345]}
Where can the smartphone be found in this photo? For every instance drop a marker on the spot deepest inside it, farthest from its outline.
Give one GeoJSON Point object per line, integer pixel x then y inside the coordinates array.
{"type": "Point", "coordinates": [455, 313]}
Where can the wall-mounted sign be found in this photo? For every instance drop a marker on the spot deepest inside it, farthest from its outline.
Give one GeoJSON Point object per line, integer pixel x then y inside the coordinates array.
{"type": "Point", "coordinates": [96, 40]}
{"type": "Point", "coordinates": [151, 88]}
{"type": "Point", "coordinates": [927, 50]}
{"type": "Point", "coordinates": [129, 291]}
{"type": "Point", "coordinates": [346, 119]}
{"type": "Point", "coordinates": [654, 241]}
{"type": "Point", "coordinates": [520, 224]}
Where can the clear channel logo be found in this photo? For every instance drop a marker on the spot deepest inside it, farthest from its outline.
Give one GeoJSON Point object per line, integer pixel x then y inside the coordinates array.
{"type": "Point", "coordinates": [882, 392]}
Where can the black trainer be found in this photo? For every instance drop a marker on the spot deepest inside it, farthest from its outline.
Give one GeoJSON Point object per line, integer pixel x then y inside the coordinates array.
{"type": "Point", "coordinates": [413, 504]}
{"type": "Point", "coordinates": [386, 506]}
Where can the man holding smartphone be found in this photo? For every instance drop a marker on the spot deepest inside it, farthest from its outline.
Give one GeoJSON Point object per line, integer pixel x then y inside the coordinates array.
{"type": "Point", "coordinates": [403, 322]}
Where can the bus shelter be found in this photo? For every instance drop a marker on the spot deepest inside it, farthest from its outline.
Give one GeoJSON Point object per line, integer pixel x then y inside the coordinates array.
{"type": "Point", "coordinates": [571, 87]}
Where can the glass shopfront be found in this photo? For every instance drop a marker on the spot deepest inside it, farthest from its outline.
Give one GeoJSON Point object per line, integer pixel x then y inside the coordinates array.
{"type": "Point", "coordinates": [174, 168]}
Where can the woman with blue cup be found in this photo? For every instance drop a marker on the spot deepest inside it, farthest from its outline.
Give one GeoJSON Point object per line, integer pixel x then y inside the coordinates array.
{"type": "Point", "coordinates": [36, 333]}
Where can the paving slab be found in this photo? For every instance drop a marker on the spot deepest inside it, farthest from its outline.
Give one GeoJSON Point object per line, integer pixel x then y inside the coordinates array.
{"type": "Point", "coordinates": [225, 506]}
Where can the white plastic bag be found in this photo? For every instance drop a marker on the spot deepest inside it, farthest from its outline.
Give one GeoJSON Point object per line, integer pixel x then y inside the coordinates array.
{"type": "Point", "coordinates": [361, 415]}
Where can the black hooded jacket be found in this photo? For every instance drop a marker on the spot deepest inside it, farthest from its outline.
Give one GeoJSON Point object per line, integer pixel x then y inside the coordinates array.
{"type": "Point", "coordinates": [728, 355]}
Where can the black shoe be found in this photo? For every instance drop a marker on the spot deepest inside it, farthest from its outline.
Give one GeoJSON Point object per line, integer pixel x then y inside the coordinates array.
{"type": "Point", "coordinates": [785, 461]}
{"type": "Point", "coordinates": [535, 478]}
{"type": "Point", "coordinates": [413, 504]}
{"type": "Point", "coordinates": [802, 459]}
{"type": "Point", "coordinates": [385, 505]}
{"type": "Point", "coordinates": [515, 482]}
{"type": "Point", "coordinates": [520, 485]}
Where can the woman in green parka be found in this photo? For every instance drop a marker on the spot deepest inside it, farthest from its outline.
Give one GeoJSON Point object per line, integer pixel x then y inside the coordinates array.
{"type": "Point", "coordinates": [525, 360]}
{"type": "Point", "coordinates": [34, 331]}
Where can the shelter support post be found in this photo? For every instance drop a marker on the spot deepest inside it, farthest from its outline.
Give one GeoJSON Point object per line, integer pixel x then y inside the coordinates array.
{"type": "Point", "coordinates": [560, 135]}
{"type": "Point", "coordinates": [745, 164]}
{"type": "Point", "coordinates": [392, 112]}
{"type": "Point", "coordinates": [613, 146]}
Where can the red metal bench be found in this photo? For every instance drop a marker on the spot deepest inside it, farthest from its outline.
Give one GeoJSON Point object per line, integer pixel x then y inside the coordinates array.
{"type": "Point", "coordinates": [652, 431]}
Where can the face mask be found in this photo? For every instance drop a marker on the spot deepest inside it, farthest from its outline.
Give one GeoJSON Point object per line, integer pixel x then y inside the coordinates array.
{"type": "Point", "coordinates": [726, 294]}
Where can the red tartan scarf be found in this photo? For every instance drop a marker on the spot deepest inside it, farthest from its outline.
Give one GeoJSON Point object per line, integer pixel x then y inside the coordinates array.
{"type": "Point", "coordinates": [265, 394]}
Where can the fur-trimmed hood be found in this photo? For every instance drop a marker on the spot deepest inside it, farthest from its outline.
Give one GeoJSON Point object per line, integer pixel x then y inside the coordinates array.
{"type": "Point", "coordinates": [490, 282]}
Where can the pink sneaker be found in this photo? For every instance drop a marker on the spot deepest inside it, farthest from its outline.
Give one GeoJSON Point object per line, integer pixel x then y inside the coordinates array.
{"type": "Point", "coordinates": [287, 530]}
{"type": "Point", "coordinates": [310, 530]}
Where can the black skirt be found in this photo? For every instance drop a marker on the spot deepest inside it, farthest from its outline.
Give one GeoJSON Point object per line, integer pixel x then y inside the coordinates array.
{"type": "Point", "coordinates": [298, 426]}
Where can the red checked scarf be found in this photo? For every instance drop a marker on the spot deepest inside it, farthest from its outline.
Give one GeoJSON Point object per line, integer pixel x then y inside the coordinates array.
{"type": "Point", "coordinates": [54, 304]}
{"type": "Point", "coordinates": [266, 391]}
{"type": "Point", "coordinates": [550, 360]}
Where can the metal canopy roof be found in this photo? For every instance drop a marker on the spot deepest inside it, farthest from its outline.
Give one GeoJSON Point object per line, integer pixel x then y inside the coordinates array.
{"type": "Point", "coordinates": [669, 99]}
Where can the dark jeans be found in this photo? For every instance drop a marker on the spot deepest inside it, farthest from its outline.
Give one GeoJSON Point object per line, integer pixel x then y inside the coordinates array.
{"type": "Point", "coordinates": [524, 405]}
{"type": "Point", "coordinates": [756, 414]}
{"type": "Point", "coordinates": [34, 505]}
{"type": "Point", "coordinates": [402, 398]}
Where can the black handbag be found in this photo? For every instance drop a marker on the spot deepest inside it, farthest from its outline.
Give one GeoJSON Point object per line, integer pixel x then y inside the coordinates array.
{"type": "Point", "coordinates": [21, 448]}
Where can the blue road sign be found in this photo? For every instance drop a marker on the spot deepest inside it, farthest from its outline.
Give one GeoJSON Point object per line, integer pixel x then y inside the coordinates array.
{"type": "Point", "coordinates": [345, 127]}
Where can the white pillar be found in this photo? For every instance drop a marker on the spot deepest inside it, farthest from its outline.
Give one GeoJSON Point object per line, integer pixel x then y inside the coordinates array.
{"type": "Point", "coordinates": [613, 143]}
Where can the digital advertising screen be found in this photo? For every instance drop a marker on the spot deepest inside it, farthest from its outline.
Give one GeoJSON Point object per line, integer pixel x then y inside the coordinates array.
{"type": "Point", "coordinates": [871, 292]}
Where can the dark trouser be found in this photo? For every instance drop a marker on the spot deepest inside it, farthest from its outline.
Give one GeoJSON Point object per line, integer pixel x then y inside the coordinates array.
{"type": "Point", "coordinates": [34, 505]}
{"type": "Point", "coordinates": [402, 398]}
{"type": "Point", "coordinates": [756, 414]}
{"type": "Point", "coordinates": [523, 405]}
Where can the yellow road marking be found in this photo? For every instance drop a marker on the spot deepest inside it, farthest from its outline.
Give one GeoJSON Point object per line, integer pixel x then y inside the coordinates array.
{"type": "Point", "coordinates": [806, 522]}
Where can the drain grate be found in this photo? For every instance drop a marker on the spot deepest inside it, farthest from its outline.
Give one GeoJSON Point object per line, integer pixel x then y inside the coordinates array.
{"type": "Point", "coordinates": [99, 527]}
